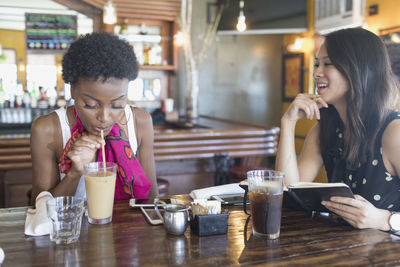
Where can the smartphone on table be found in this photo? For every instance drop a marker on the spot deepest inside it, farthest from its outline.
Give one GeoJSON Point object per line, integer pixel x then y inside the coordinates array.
{"type": "Point", "coordinates": [229, 199]}
{"type": "Point", "coordinates": [151, 215]}
{"type": "Point", "coordinates": [146, 202]}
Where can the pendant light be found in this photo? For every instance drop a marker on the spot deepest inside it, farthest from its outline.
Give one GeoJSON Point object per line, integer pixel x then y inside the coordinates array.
{"type": "Point", "coordinates": [241, 25]}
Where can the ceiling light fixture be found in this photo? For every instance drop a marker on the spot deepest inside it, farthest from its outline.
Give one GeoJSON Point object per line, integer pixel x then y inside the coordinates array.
{"type": "Point", "coordinates": [395, 38]}
{"type": "Point", "coordinates": [241, 25]}
{"type": "Point", "coordinates": [109, 13]}
{"type": "Point", "coordinates": [180, 38]}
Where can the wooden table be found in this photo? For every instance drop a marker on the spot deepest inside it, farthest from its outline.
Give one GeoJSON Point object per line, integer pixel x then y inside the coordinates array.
{"type": "Point", "coordinates": [129, 240]}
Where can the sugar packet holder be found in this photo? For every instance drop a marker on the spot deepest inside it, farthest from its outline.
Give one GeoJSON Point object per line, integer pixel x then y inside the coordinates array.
{"type": "Point", "coordinates": [204, 207]}
{"type": "Point", "coordinates": [207, 219]}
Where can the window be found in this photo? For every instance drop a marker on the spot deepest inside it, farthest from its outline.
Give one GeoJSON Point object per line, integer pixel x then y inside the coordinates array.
{"type": "Point", "coordinates": [41, 72]}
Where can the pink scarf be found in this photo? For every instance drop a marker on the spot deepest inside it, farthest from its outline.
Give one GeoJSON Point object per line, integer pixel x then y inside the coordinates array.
{"type": "Point", "coordinates": [131, 179]}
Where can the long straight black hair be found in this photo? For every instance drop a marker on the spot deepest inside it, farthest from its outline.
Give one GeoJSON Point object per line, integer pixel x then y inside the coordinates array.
{"type": "Point", "coordinates": [361, 57]}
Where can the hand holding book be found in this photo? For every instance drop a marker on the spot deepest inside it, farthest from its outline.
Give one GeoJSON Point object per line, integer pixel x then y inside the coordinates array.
{"type": "Point", "coordinates": [310, 195]}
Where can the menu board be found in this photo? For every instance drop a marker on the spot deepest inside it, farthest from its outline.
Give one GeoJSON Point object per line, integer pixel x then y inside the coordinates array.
{"type": "Point", "coordinates": [393, 51]}
{"type": "Point", "coordinates": [49, 31]}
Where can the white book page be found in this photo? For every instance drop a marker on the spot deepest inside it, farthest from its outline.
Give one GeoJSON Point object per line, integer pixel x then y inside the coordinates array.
{"type": "Point", "coordinates": [311, 184]}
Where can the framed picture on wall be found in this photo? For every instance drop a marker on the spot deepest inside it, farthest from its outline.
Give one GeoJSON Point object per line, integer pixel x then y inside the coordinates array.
{"type": "Point", "coordinates": [391, 38]}
{"type": "Point", "coordinates": [292, 75]}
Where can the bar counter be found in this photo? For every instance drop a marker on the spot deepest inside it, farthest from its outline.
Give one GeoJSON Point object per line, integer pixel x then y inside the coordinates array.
{"type": "Point", "coordinates": [185, 154]}
{"type": "Point", "coordinates": [130, 240]}
{"type": "Point", "coordinates": [213, 136]}
{"type": "Point", "coordinates": [174, 141]}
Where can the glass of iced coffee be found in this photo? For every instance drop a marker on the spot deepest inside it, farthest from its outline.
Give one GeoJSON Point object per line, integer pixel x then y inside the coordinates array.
{"type": "Point", "coordinates": [100, 188]}
{"type": "Point", "coordinates": [265, 194]}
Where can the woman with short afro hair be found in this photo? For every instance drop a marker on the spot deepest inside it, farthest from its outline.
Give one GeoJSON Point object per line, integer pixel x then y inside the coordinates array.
{"type": "Point", "coordinates": [99, 67]}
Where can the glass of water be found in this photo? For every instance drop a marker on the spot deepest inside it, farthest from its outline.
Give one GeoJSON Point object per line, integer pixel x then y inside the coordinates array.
{"type": "Point", "coordinates": [65, 214]}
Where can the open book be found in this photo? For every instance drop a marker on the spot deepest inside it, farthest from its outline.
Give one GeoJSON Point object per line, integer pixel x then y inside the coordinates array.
{"type": "Point", "coordinates": [309, 195]}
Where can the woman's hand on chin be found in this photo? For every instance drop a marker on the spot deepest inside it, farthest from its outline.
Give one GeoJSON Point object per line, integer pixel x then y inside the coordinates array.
{"type": "Point", "coordinates": [359, 212]}
{"type": "Point", "coordinates": [304, 106]}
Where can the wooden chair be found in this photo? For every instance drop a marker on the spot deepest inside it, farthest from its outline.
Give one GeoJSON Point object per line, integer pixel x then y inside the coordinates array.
{"type": "Point", "coordinates": [238, 172]}
{"type": "Point", "coordinates": [163, 186]}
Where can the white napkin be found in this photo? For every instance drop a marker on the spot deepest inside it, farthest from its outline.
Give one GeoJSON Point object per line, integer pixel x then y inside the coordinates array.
{"type": "Point", "coordinates": [36, 222]}
{"type": "Point", "coordinates": [217, 190]}
{"type": "Point", "coordinates": [1, 256]}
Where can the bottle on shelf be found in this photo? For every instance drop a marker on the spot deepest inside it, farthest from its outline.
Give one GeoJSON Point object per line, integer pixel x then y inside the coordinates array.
{"type": "Point", "coordinates": [2, 94]}
{"type": "Point", "coordinates": [138, 49]}
{"type": "Point", "coordinates": [61, 102]}
{"type": "Point", "coordinates": [18, 95]}
{"type": "Point", "coordinates": [143, 29]}
{"type": "Point", "coordinates": [52, 97]}
{"type": "Point", "coordinates": [34, 95]}
{"type": "Point", "coordinates": [26, 99]}
{"type": "Point", "coordinates": [124, 27]}
{"type": "Point", "coordinates": [155, 57]}
{"type": "Point", "coordinates": [43, 102]}
{"type": "Point", "coordinates": [146, 53]}
{"type": "Point", "coordinates": [11, 100]}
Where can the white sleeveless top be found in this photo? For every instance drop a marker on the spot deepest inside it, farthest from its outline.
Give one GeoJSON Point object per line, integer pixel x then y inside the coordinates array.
{"type": "Point", "coordinates": [66, 134]}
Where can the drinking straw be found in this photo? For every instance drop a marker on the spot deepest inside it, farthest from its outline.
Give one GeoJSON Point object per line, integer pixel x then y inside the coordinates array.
{"type": "Point", "coordinates": [103, 152]}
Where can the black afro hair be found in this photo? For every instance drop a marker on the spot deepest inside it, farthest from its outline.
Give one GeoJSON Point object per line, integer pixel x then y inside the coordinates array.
{"type": "Point", "coordinates": [99, 55]}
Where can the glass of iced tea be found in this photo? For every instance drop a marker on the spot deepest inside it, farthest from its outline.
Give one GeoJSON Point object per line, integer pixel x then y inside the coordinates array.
{"type": "Point", "coordinates": [100, 189]}
{"type": "Point", "coordinates": [265, 194]}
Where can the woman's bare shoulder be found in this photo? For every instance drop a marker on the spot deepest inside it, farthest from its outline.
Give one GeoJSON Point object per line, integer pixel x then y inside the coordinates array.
{"type": "Point", "coordinates": [46, 128]}
{"type": "Point", "coordinates": [391, 136]}
{"type": "Point", "coordinates": [142, 117]}
{"type": "Point", "coordinates": [391, 147]}
{"type": "Point", "coordinates": [46, 123]}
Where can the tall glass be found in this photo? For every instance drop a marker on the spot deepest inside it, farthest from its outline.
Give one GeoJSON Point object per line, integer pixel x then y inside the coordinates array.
{"type": "Point", "coordinates": [265, 194]}
{"type": "Point", "coordinates": [100, 189]}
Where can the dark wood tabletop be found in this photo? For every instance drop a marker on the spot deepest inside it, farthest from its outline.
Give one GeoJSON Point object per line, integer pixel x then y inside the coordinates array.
{"type": "Point", "coordinates": [130, 240]}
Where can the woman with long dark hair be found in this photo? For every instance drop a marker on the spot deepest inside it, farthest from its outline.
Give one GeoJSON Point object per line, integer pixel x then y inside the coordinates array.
{"type": "Point", "coordinates": [357, 137]}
